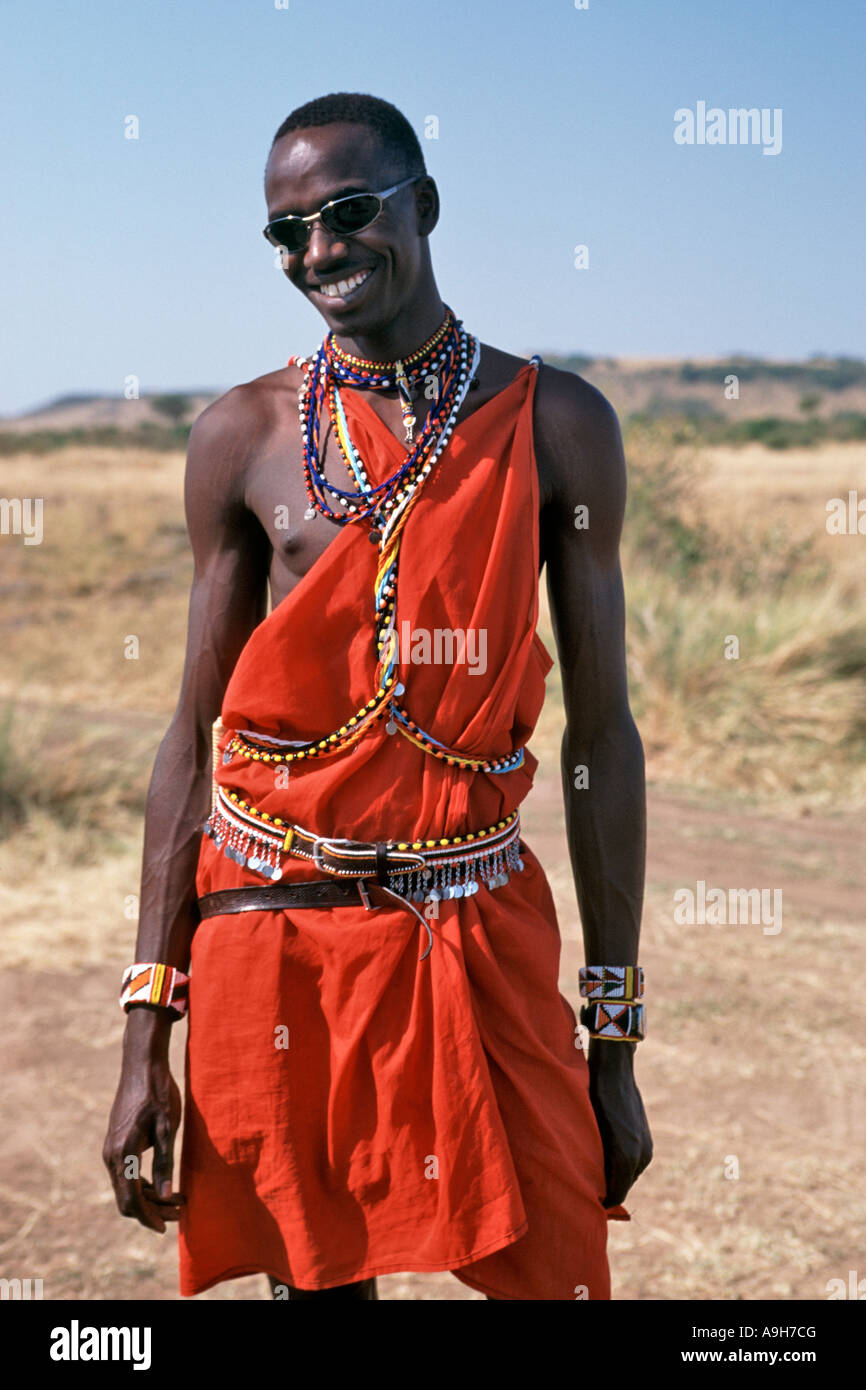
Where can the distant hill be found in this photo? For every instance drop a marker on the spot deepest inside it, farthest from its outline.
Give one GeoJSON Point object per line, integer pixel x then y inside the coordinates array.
{"type": "Point", "coordinates": [813, 397]}
{"type": "Point", "coordinates": [73, 412]}
{"type": "Point", "coordinates": [820, 387]}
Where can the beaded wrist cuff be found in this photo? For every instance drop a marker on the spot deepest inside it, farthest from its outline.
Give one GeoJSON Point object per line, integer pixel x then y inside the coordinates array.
{"type": "Point", "coordinates": [152, 983]}
{"type": "Point", "coordinates": [611, 981]}
{"type": "Point", "coordinates": [619, 1020]}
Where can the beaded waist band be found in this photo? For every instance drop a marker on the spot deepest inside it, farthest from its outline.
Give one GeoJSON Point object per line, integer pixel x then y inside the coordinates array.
{"type": "Point", "coordinates": [419, 869]}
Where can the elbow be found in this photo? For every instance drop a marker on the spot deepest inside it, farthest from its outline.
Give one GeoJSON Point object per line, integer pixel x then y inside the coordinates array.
{"type": "Point", "coordinates": [613, 733]}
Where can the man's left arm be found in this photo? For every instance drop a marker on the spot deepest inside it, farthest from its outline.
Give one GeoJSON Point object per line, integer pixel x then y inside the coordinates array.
{"type": "Point", "coordinates": [583, 487]}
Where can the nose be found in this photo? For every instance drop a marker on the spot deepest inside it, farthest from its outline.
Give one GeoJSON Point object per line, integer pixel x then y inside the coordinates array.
{"type": "Point", "coordinates": [324, 246]}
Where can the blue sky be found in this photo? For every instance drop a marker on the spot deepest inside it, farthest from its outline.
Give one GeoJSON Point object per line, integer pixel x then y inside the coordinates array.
{"type": "Point", "coordinates": [555, 130]}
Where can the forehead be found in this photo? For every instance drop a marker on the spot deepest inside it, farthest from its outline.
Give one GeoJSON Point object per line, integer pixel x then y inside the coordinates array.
{"type": "Point", "coordinates": [307, 167]}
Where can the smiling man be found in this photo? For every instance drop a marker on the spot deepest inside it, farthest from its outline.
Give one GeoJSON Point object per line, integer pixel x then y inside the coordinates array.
{"type": "Point", "coordinates": [381, 1073]}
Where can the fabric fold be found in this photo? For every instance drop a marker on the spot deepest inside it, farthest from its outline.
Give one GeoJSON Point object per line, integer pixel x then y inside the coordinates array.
{"type": "Point", "coordinates": [351, 1109]}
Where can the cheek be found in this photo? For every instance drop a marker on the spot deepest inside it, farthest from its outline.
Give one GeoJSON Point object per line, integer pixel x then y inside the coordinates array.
{"type": "Point", "coordinates": [403, 263]}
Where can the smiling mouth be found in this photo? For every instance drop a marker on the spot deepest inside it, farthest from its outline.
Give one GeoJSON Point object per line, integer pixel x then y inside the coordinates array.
{"type": "Point", "coordinates": [344, 289]}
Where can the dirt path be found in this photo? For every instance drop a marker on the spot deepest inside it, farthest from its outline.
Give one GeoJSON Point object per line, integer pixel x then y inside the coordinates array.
{"type": "Point", "coordinates": [753, 1065]}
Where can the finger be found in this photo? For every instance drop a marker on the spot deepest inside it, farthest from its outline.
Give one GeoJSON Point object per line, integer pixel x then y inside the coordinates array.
{"type": "Point", "coordinates": [133, 1203]}
{"type": "Point", "coordinates": [618, 1175]}
{"type": "Point", "coordinates": [132, 1199]}
{"type": "Point", "coordinates": [163, 1155]}
{"type": "Point", "coordinates": [127, 1190]}
{"type": "Point", "coordinates": [163, 1210]}
{"type": "Point", "coordinates": [645, 1161]}
{"type": "Point", "coordinates": [623, 1172]}
{"type": "Point", "coordinates": [173, 1200]}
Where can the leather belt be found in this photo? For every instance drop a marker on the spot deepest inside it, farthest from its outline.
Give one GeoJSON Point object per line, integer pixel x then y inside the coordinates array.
{"type": "Point", "coordinates": [320, 893]}
{"type": "Point", "coordinates": [328, 892]}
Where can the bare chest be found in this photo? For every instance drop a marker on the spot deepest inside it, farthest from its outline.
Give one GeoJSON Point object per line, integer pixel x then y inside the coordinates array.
{"type": "Point", "coordinates": [277, 494]}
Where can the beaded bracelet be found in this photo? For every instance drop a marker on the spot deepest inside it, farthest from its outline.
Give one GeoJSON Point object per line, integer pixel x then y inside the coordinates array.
{"type": "Point", "coordinates": [615, 1020]}
{"type": "Point", "coordinates": [152, 983]}
{"type": "Point", "coordinates": [611, 981]}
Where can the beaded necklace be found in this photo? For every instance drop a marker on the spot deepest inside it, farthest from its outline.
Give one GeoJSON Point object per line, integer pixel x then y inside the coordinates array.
{"type": "Point", "coordinates": [320, 387]}
{"type": "Point", "coordinates": [452, 355]}
{"type": "Point", "coordinates": [360, 371]}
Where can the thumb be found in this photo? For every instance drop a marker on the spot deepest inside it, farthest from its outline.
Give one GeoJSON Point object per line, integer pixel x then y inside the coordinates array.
{"type": "Point", "coordinates": [163, 1155]}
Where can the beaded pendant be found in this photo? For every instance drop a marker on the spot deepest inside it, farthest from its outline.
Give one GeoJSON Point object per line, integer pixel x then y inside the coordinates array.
{"type": "Point", "coordinates": [406, 403]}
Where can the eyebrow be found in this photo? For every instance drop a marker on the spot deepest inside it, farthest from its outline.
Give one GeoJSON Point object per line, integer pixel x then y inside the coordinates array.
{"type": "Point", "coordinates": [343, 192]}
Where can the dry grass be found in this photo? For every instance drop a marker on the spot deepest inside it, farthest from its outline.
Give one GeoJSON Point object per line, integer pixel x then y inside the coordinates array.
{"type": "Point", "coordinates": [733, 544]}
{"type": "Point", "coordinates": [752, 1055]}
{"type": "Point", "coordinates": [114, 563]}
{"type": "Point", "coordinates": [752, 1051]}
{"type": "Point", "coordinates": [729, 543]}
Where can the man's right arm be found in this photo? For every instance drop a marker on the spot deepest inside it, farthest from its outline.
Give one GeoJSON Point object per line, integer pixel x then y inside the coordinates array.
{"type": "Point", "coordinates": [227, 601]}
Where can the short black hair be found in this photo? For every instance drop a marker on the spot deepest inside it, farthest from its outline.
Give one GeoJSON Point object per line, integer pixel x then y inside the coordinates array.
{"type": "Point", "coordinates": [397, 138]}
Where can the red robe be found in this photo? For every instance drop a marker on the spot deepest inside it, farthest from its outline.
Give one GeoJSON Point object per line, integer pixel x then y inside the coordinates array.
{"type": "Point", "coordinates": [425, 1115]}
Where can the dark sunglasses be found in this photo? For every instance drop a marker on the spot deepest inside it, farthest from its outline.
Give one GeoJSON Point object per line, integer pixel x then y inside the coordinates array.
{"type": "Point", "coordinates": [345, 216]}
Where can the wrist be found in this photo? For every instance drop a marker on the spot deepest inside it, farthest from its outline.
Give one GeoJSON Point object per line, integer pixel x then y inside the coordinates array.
{"type": "Point", "coordinates": [606, 1054]}
{"type": "Point", "coordinates": [148, 1031]}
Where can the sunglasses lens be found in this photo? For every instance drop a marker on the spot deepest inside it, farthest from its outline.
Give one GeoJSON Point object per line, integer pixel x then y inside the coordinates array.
{"type": "Point", "coordinates": [352, 214]}
{"type": "Point", "coordinates": [289, 232]}
{"type": "Point", "coordinates": [344, 217]}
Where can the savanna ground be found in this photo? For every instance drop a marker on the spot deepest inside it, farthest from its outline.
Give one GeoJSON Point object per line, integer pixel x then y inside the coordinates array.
{"type": "Point", "coordinates": [754, 1059]}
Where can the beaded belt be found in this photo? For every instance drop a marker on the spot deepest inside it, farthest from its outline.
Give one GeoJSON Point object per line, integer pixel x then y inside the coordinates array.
{"type": "Point", "coordinates": [421, 869]}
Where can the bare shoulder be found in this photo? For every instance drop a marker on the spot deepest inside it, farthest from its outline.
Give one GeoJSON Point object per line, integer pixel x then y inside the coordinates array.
{"type": "Point", "coordinates": [570, 417]}
{"type": "Point", "coordinates": [248, 412]}
{"type": "Point", "coordinates": [233, 431]}
{"type": "Point", "coordinates": [578, 452]}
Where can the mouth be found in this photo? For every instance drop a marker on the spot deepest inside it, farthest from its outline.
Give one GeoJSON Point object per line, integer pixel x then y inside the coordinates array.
{"type": "Point", "coordinates": [340, 292]}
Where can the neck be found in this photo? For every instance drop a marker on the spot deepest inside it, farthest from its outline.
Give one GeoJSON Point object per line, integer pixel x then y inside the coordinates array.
{"type": "Point", "coordinates": [401, 335]}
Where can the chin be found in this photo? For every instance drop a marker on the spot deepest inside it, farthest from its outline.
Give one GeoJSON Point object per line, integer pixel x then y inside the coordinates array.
{"type": "Point", "coordinates": [358, 323]}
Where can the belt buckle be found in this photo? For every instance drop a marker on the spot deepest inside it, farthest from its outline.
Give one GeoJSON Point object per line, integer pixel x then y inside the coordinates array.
{"type": "Point", "coordinates": [332, 841]}
{"type": "Point", "coordinates": [316, 853]}
{"type": "Point", "coordinates": [365, 897]}
{"type": "Point", "coordinates": [319, 862]}
{"type": "Point", "coordinates": [417, 861]}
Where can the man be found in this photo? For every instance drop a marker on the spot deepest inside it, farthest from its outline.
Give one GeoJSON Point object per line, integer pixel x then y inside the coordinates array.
{"type": "Point", "coordinates": [381, 1074]}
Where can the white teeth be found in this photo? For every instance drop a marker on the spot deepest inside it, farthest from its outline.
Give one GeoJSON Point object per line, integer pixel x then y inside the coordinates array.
{"type": "Point", "coordinates": [343, 287]}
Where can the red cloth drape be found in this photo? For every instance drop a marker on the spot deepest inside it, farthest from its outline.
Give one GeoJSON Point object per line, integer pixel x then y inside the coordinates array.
{"type": "Point", "coordinates": [426, 1115]}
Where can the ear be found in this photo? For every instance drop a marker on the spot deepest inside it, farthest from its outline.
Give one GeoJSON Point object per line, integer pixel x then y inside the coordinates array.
{"type": "Point", "coordinates": [426, 205]}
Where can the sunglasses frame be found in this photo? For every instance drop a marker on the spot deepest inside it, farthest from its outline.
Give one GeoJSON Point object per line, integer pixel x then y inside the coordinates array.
{"type": "Point", "coordinates": [335, 202]}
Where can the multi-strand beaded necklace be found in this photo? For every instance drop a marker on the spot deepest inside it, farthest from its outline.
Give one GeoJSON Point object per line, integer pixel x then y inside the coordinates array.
{"type": "Point", "coordinates": [448, 360]}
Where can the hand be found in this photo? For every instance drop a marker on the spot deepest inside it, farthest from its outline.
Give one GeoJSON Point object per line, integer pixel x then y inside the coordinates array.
{"type": "Point", "coordinates": [621, 1117]}
{"type": "Point", "coordinates": [146, 1114]}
